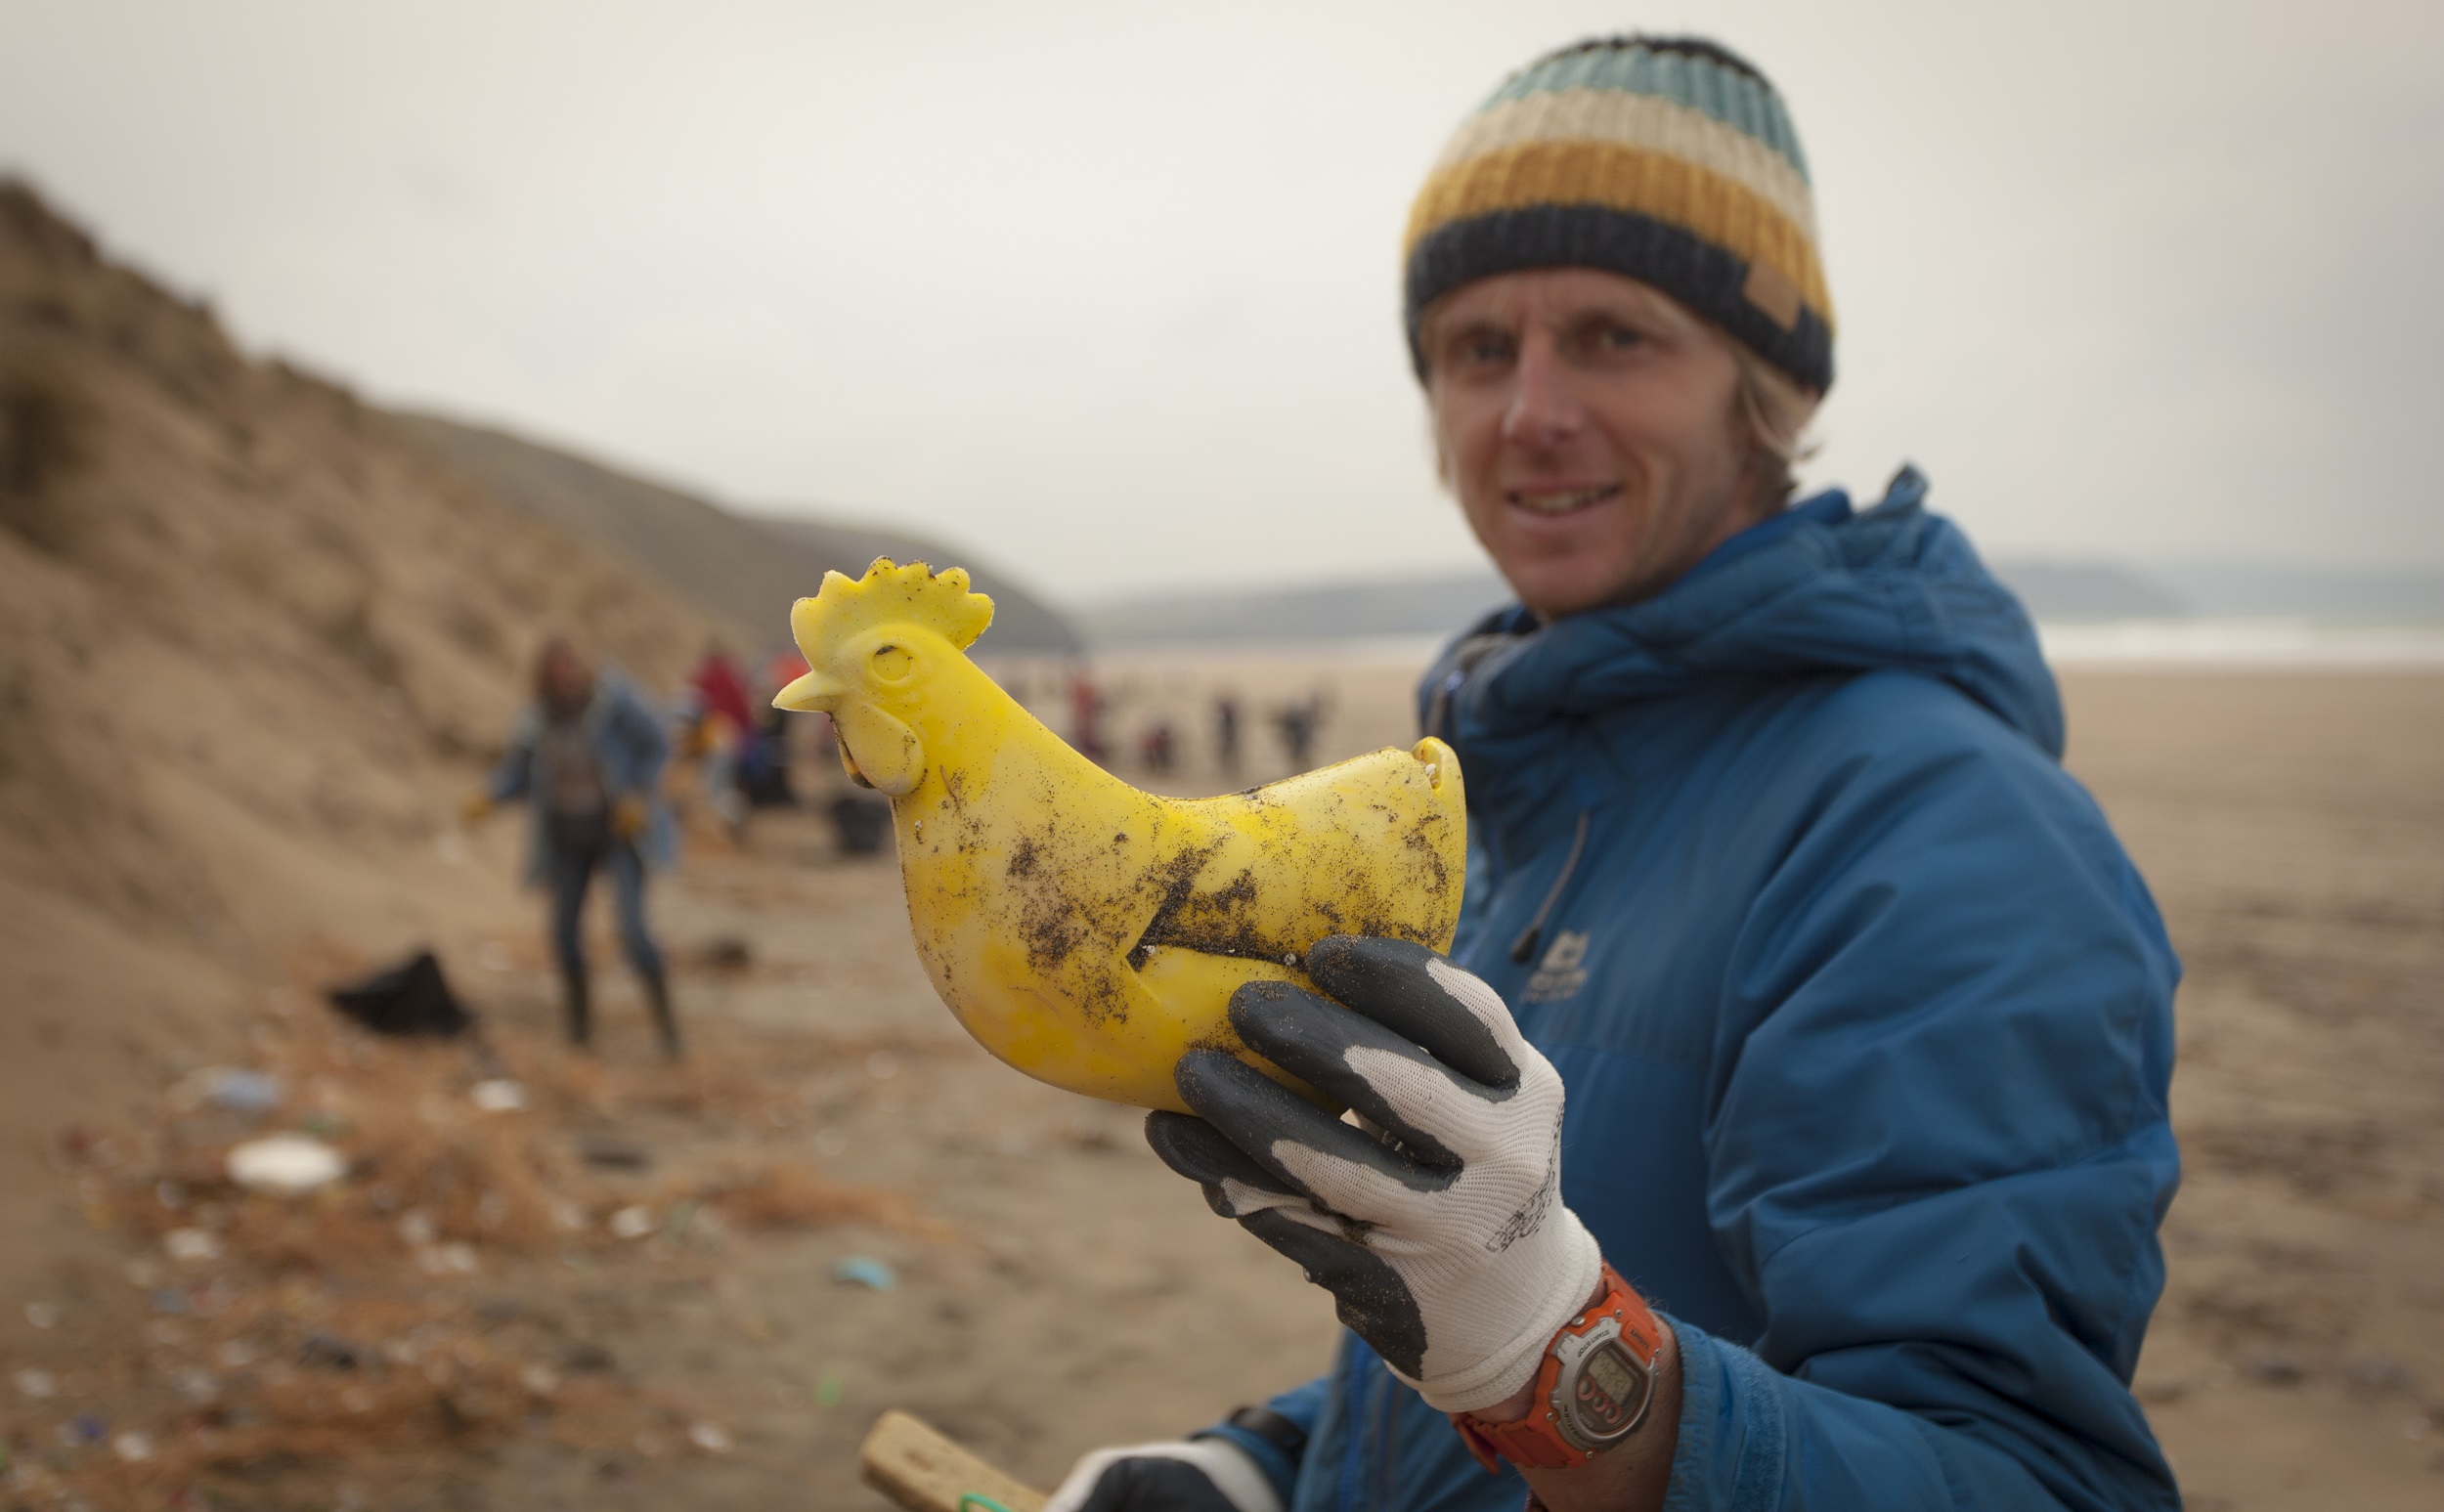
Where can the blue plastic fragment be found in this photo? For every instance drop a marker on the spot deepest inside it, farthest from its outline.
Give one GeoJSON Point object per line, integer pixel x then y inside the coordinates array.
{"type": "Point", "coordinates": [867, 1272]}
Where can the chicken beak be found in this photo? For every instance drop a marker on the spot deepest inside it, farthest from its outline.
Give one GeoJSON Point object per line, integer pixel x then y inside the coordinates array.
{"type": "Point", "coordinates": [813, 693]}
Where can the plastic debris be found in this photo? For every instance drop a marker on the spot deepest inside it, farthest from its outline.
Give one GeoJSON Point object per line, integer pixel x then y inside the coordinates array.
{"type": "Point", "coordinates": [498, 1095]}
{"type": "Point", "coordinates": [192, 1247]}
{"type": "Point", "coordinates": [612, 1154]}
{"type": "Point", "coordinates": [712, 1438]}
{"type": "Point", "coordinates": [288, 1165]}
{"type": "Point", "coordinates": [133, 1447]}
{"type": "Point", "coordinates": [82, 1429]}
{"type": "Point", "coordinates": [453, 1258]}
{"type": "Point", "coordinates": [829, 1391]}
{"type": "Point", "coordinates": [41, 1315]}
{"type": "Point", "coordinates": [234, 1089]}
{"type": "Point", "coordinates": [41, 1385]}
{"type": "Point", "coordinates": [409, 999]}
{"type": "Point", "coordinates": [631, 1223]}
{"type": "Point", "coordinates": [867, 1272]}
{"type": "Point", "coordinates": [195, 1384]}
{"type": "Point", "coordinates": [329, 1351]}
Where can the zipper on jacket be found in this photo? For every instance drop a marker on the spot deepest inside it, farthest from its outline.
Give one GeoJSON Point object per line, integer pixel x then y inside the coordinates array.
{"type": "Point", "coordinates": [1523, 948]}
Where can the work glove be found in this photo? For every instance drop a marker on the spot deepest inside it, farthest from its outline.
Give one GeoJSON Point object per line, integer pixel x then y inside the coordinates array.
{"type": "Point", "coordinates": [628, 815]}
{"type": "Point", "coordinates": [476, 808]}
{"type": "Point", "coordinates": [1436, 1223]}
{"type": "Point", "coordinates": [1194, 1475]}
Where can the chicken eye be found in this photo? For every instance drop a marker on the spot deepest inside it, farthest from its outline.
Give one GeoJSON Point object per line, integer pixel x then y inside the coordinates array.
{"type": "Point", "coordinates": [892, 664]}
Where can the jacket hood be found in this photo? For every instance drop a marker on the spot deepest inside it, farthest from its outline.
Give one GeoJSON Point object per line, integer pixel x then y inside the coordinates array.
{"type": "Point", "coordinates": [1821, 590]}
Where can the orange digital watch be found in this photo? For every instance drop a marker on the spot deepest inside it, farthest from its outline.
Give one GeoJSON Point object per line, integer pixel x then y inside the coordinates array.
{"type": "Point", "coordinates": [1592, 1390]}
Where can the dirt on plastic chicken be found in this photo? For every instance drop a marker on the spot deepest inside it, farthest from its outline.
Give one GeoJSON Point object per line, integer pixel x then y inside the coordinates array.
{"type": "Point", "coordinates": [1086, 931]}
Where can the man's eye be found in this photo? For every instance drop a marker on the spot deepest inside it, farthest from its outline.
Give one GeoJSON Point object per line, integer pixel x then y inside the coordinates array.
{"type": "Point", "coordinates": [1617, 338]}
{"type": "Point", "coordinates": [1480, 347]}
{"type": "Point", "coordinates": [1477, 350]}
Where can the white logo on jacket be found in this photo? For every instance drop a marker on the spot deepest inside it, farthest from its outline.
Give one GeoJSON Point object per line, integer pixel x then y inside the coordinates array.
{"type": "Point", "coordinates": [1560, 974]}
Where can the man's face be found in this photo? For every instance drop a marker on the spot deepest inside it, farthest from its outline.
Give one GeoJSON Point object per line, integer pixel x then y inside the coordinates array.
{"type": "Point", "coordinates": [567, 679]}
{"type": "Point", "coordinates": [1587, 424]}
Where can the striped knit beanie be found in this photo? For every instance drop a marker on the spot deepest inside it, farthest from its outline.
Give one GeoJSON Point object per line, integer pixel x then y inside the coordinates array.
{"type": "Point", "coordinates": [1668, 159]}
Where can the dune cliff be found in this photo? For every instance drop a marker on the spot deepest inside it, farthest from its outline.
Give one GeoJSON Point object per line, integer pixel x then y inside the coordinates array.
{"type": "Point", "coordinates": [254, 643]}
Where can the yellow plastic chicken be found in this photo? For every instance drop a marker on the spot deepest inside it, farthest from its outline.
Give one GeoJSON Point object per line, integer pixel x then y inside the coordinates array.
{"type": "Point", "coordinates": [1085, 931]}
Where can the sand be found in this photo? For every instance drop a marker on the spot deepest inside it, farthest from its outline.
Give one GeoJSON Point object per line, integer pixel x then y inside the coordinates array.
{"type": "Point", "coordinates": [1061, 1290]}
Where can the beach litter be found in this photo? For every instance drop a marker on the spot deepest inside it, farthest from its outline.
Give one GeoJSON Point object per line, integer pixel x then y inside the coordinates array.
{"type": "Point", "coordinates": [500, 1094]}
{"type": "Point", "coordinates": [395, 1305]}
{"type": "Point", "coordinates": [288, 1165]}
{"type": "Point", "coordinates": [409, 1000]}
{"type": "Point", "coordinates": [232, 1088]}
{"type": "Point", "coordinates": [190, 1246]}
{"type": "Point", "coordinates": [867, 1272]}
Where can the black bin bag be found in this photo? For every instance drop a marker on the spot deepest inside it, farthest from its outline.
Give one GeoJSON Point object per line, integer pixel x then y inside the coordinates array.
{"type": "Point", "coordinates": [407, 998]}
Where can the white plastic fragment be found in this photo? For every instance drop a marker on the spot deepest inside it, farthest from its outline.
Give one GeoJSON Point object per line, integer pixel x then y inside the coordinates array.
{"type": "Point", "coordinates": [498, 1095]}
{"type": "Point", "coordinates": [288, 1165]}
{"type": "Point", "coordinates": [190, 1246]}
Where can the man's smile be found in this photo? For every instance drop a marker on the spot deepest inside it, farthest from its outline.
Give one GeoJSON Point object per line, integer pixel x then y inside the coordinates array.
{"type": "Point", "coordinates": [1561, 500]}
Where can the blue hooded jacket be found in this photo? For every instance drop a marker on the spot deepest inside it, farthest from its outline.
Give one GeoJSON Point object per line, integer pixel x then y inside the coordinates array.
{"type": "Point", "coordinates": [631, 743]}
{"type": "Point", "coordinates": [1866, 1020]}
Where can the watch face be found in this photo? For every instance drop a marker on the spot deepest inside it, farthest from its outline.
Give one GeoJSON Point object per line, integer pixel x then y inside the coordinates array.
{"type": "Point", "coordinates": [1610, 1389]}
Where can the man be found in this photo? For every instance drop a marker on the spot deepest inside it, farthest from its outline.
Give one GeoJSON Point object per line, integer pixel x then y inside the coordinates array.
{"type": "Point", "coordinates": [588, 757]}
{"type": "Point", "coordinates": [1863, 1016]}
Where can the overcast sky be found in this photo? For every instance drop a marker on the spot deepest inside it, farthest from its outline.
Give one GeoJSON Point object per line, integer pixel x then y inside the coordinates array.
{"type": "Point", "coordinates": [1109, 291]}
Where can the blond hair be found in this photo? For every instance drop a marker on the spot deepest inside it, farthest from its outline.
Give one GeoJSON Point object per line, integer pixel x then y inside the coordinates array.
{"type": "Point", "coordinates": [1776, 410]}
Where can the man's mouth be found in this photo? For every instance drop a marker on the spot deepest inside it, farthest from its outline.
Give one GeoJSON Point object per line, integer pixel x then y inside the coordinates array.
{"type": "Point", "coordinates": [1558, 501]}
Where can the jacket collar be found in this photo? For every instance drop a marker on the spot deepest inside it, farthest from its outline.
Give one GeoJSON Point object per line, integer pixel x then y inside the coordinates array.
{"type": "Point", "coordinates": [1817, 590]}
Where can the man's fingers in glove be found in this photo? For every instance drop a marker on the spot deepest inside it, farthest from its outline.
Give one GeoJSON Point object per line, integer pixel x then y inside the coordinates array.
{"type": "Point", "coordinates": [1390, 1080]}
{"type": "Point", "coordinates": [1369, 1294]}
{"type": "Point", "coordinates": [1424, 999]}
{"type": "Point", "coordinates": [1261, 1116]}
{"type": "Point", "coordinates": [1235, 1184]}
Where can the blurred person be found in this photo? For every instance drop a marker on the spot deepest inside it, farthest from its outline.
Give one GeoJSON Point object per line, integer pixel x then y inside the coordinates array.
{"type": "Point", "coordinates": [1158, 747]}
{"type": "Point", "coordinates": [766, 781]}
{"type": "Point", "coordinates": [1086, 710]}
{"type": "Point", "coordinates": [588, 757]}
{"type": "Point", "coordinates": [723, 729]}
{"type": "Point", "coordinates": [1299, 724]}
{"type": "Point", "coordinates": [1787, 1127]}
{"type": "Point", "coordinates": [1226, 733]}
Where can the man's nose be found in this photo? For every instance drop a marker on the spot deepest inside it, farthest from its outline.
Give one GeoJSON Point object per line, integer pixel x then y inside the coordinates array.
{"type": "Point", "coordinates": [1543, 410]}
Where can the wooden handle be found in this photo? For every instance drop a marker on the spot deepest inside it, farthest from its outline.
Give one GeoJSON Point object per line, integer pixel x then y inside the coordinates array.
{"type": "Point", "coordinates": [922, 1471]}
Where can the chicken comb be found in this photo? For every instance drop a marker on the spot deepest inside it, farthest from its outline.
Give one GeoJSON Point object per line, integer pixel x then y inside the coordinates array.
{"type": "Point", "coordinates": [846, 606]}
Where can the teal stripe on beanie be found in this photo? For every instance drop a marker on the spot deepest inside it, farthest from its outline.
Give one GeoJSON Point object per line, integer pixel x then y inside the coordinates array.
{"type": "Point", "coordinates": [1704, 76]}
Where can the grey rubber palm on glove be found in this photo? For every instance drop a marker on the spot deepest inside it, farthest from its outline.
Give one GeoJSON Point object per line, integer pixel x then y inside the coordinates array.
{"type": "Point", "coordinates": [1440, 1229]}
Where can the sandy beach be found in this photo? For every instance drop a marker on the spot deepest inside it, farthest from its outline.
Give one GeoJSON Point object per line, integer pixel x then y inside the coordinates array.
{"type": "Point", "coordinates": [1048, 1277]}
